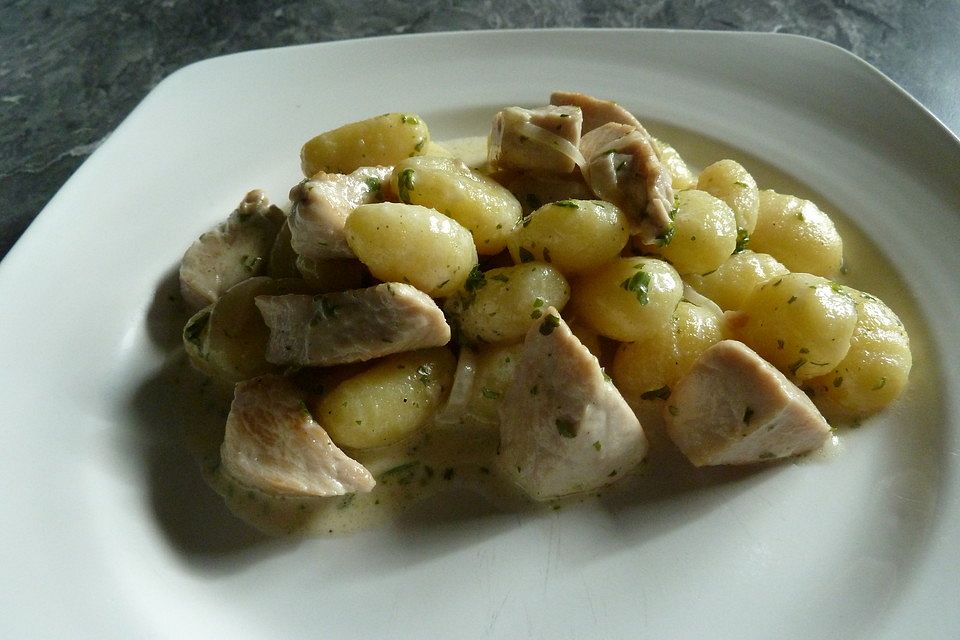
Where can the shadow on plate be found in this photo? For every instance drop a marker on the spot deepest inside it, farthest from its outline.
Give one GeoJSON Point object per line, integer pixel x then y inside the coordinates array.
{"type": "Point", "coordinates": [182, 415]}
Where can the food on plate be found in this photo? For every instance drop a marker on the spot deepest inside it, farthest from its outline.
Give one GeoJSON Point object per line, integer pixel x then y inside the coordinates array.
{"type": "Point", "coordinates": [734, 407]}
{"type": "Point", "coordinates": [537, 323]}
{"type": "Point", "coordinates": [564, 426]}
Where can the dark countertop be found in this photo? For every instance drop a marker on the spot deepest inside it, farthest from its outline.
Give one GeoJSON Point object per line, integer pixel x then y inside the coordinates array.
{"type": "Point", "coordinates": [71, 71]}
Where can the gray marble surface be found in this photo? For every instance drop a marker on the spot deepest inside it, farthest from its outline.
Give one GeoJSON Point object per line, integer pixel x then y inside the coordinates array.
{"type": "Point", "coordinates": [71, 71]}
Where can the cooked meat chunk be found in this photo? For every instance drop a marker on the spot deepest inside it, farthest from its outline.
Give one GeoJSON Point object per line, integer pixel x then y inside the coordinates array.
{"type": "Point", "coordinates": [351, 326]}
{"type": "Point", "coordinates": [236, 250]}
{"type": "Point", "coordinates": [596, 112]}
{"type": "Point", "coordinates": [564, 427]}
{"type": "Point", "coordinates": [273, 444]}
{"type": "Point", "coordinates": [544, 139]}
{"type": "Point", "coordinates": [621, 166]}
{"type": "Point", "coordinates": [321, 206]}
{"type": "Point", "coordinates": [733, 407]}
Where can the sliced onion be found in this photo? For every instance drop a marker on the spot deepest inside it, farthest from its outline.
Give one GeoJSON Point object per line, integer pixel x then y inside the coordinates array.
{"type": "Point", "coordinates": [550, 139]}
{"type": "Point", "coordinates": [461, 390]}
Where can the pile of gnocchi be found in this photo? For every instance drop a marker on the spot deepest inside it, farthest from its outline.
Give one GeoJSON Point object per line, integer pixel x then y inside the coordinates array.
{"type": "Point", "coordinates": [374, 327]}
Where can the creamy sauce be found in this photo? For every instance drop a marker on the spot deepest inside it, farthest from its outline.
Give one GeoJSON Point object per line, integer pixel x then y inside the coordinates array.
{"type": "Point", "coordinates": [448, 461]}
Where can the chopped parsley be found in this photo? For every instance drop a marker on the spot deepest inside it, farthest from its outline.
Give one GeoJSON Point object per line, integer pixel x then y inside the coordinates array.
{"type": "Point", "coordinates": [666, 237]}
{"type": "Point", "coordinates": [251, 263]}
{"type": "Point", "coordinates": [525, 255]}
{"type": "Point", "coordinates": [490, 394]}
{"type": "Point", "coordinates": [405, 184]}
{"type": "Point", "coordinates": [566, 427]}
{"type": "Point", "coordinates": [193, 332]}
{"type": "Point", "coordinates": [566, 204]}
{"type": "Point", "coordinates": [796, 365]}
{"type": "Point", "coordinates": [374, 183]}
{"type": "Point", "coordinates": [475, 280]}
{"type": "Point", "coordinates": [549, 323]}
{"type": "Point", "coordinates": [403, 473]}
{"type": "Point", "coordinates": [639, 285]}
{"type": "Point", "coordinates": [743, 239]}
{"type": "Point", "coordinates": [661, 393]}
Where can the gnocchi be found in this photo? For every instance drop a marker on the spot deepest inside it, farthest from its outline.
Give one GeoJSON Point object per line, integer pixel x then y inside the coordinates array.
{"type": "Point", "coordinates": [875, 369]}
{"type": "Point", "coordinates": [472, 283]}
{"type": "Point", "coordinates": [500, 305]}
{"type": "Point", "coordinates": [389, 401]}
{"type": "Point", "coordinates": [798, 234]}
{"type": "Point", "coordinates": [629, 298]}
{"type": "Point", "coordinates": [488, 210]}
{"type": "Point", "coordinates": [383, 140]}
{"type": "Point", "coordinates": [414, 244]}
{"type": "Point", "coordinates": [575, 236]}
{"type": "Point", "coordinates": [800, 323]}
{"type": "Point", "coordinates": [704, 233]}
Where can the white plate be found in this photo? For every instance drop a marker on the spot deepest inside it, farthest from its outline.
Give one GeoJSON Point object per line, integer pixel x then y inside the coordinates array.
{"type": "Point", "coordinates": [108, 531]}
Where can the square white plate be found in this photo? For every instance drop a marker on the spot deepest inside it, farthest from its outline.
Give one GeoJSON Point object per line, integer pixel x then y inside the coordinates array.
{"type": "Point", "coordinates": [108, 531]}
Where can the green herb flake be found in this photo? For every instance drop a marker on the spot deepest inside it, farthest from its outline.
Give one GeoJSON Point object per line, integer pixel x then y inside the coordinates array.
{"type": "Point", "coordinates": [405, 184]}
{"type": "Point", "coordinates": [525, 255]}
{"type": "Point", "coordinates": [549, 323]}
{"type": "Point", "coordinates": [742, 185]}
{"type": "Point", "coordinates": [193, 332]}
{"type": "Point", "coordinates": [597, 445]}
{"type": "Point", "coordinates": [403, 473]}
{"type": "Point", "coordinates": [743, 239]}
{"type": "Point", "coordinates": [661, 393]}
{"type": "Point", "coordinates": [346, 501]}
{"type": "Point", "coordinates": [792, 300]}
{"type": "Point", "coordinates": [305, 411]}
{"type": "Point", "coordinates": [500, 278]}
{"type": "Point", "coordinates": [251, 263]}
{"type": "Point", "coordinates": [546, 254]}
{"type": "Point", "coordinates": [475, 279]}
{"type": "Point", "coordinates": [490, 394]}
{"type": "Point", "coordinates": [566, 204]}
{"type": "Point", "coordinates": [374, 184]}
{"type": "Point", "coordinates": [639, 285]}
{"type": "Point", "coordinates": [566, 428]}
{"type": "Point", "coordinates": [837, 381]}
{"type": "Point", "coordinates": [666, 237]}
{"type": "Point", "coordinates": [796, 365]}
